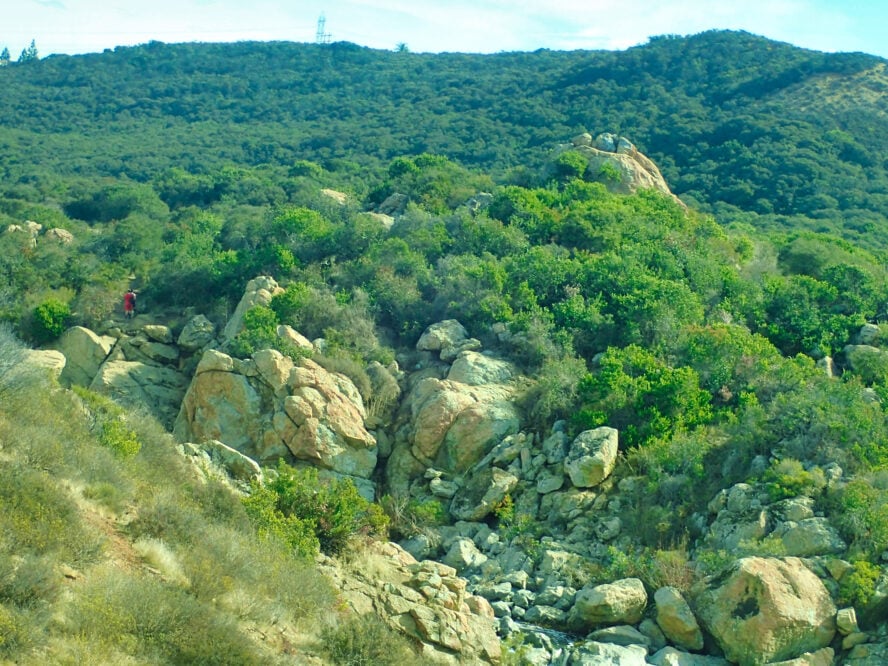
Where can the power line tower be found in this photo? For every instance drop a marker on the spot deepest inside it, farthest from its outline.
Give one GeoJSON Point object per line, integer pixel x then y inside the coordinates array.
{"type": "Point", "coordinates": [322, 37]}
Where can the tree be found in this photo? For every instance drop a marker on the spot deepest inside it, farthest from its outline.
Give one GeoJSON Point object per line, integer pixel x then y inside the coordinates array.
{"type": "Point", "coordinates": [29, 53]}
{"type": "Point", "coordinates": [4, 57]}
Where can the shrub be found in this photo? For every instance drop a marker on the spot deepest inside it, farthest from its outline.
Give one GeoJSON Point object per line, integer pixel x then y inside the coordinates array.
{"type": "Point", "coordinates": [857, 587]}
{"type": "Point", "coordinates": [365, 640]}
{"type": "Point", "coordinates": [410, 517]}
{"type": "Point", "coordinates": [303, 510]}
{"type": "Point", "coordinates": [787, 478]}
{"type": "Point", "coordinates": [50, 320]}
{"type": "Point", "coordinates": [119, 438]}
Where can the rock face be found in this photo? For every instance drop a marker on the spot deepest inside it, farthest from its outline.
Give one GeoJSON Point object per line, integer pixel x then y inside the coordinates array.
{"type": "Point", "coordinates": [765, 610]}
{"type": "Point", "coordinates": [142, 385]}
{"type": "Point", "coordinates": [619, 165]}
{"type": "Point", "coordinates": [424, 600]}
{"type": "Point", "coordinates": [267, 407]}
{"type": "Point", "coordinates": [84, 353]}
{"type": "Point", "coordinates": [591, 457]}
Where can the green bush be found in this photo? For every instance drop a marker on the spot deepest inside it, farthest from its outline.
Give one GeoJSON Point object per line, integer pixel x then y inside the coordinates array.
{"type": "Point", "coordinates": [857, 587]}
{"type": "Point", "coordinates": [788, 478]}
{"type": "Point", "coordinates": [119, 438]}
{"type": "Point", "coordinates": [50, 320]}
{"type": "Point", "coordinates": [365, 640]}
{"type": "Point", "coordinates": [302, 510]}
{"type": "Point", "coordinates": [409, 517]}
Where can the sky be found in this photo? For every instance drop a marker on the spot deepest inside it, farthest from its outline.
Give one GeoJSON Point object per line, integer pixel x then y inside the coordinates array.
{"type": "Point", "coordinates": [469, 26]}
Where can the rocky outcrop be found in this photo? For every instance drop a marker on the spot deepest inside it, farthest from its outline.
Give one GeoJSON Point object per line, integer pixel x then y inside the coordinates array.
{"type": "Point", "coordinates": [453, 425]}
{"type": "Point", "coordinates": [765, 610]}
{"type": "Point", "coordinates": [425, 600]}
{"type": "Point", "coordinates": [269, 407]}
{"type": "Point", "coordinates": [616, 162]}
{"type": "Point", "coordinates": [197, 333]}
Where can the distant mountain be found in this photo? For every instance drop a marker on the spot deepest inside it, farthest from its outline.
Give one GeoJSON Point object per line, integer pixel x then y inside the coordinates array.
{"type": "Point", "coordinates": [736, 121]}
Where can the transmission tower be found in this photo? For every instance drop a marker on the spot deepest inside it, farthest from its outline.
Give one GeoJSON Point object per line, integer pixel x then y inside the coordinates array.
{"type": "Point", "coordinates": [322, 37]}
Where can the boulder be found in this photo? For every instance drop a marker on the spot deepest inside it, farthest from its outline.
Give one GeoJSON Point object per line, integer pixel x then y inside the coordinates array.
{"type": "Point", "coordinates": [476, 369]}
{"type": "Point", "coordinates": [137, 384]}
{"type": "Point", "coordinates": [867, 335]}
{"type": "Point", "coordinates": [809, 537]}
{"type": "Point", "coordinates": [84, 351]}
{"type": "Point", "coordinates": [448, 338]}
{"type": "Point", "coordinates": [386, 221]}
{"type": "Point", "coordinates": [259, 291]}
{"type": "Point", "coordinates": [621, 634]}
{"type": "Point", "coordinates": [426, 601]}
{"type": "Point", "coordinates": [867, 654]}
{"type": "Point", "coordinates": [158, 333]}
{"type": "Point", "coordinates": [453, 425]}
{"type": "Point", "coordinates": [59, 235]}
{"type": "Point", "coordinates": [48, 360]}
{"type": "Point", "coordinates": [616, 162]}
{"type": "Point", "coordinates": [675, 618]}
{"type": "Point", "coordinates": [591, 457]}
{"type": "Point", "coordinates": [334, 195]}
{"type": "Point", "coordinates": [620, 602]}
{"type": "Point", "coordinates": [765, 609]}
{"type": "Point", "coordinates": [196, 334]}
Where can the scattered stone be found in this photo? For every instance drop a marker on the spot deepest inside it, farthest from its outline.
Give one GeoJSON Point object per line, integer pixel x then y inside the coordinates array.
{"type": "Point", "coordinates": [620, 602]}
{"type": "Point", "coordinates": [676, 619]}
{"type": "Point", "coordinates": [591, 457]}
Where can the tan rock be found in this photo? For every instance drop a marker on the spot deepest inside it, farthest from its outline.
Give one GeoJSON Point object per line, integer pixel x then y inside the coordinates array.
{"type": "Point", "coordinates": [160, 390]}
{"type": "Point", "coordinates": [675, 618]}
{"type": "Point", "coordinates": [424, 600]}
{"type": "Point", "coordinates": [591, 457]}
{"type": "Point", "coordinates": [84, 351]}
{"type": "Point", "coordinates": [259, 291]}
{"type": "Point", "coordinates": [765, 609]}
{"type": "Point", "coordinates": [621, 602]}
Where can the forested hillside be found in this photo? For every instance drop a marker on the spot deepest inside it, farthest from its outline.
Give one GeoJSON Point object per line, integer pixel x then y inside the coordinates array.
{"type": "Point", "coordinates": [667, 388]}
{"type": "Point", "coordinates": [731, 118]}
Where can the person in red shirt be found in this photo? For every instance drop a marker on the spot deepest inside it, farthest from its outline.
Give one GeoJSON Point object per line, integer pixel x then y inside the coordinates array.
{"type": "Point", "coordinates": [129, 304]}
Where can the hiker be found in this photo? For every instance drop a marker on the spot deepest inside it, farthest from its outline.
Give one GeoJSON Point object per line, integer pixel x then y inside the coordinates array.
{"type": "Point", "coordinates": [129, 304]}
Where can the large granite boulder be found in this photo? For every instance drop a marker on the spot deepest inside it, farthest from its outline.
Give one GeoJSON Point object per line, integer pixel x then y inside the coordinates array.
{"type": "Point", "coordinates": [84, 351]}
{"type": "Point", "coordinates": [453, 425]}
{"type": "Point", "coordinates": [448, 338]}
{"type": "Point", "coordinates": [269, 407]}
{"type": "Point", "coordinates": [424, 600]}
{"type": "Point", "coordinates": [137, 384]}
{"type": "Point", "coordinates": [621, 602]}
{"type": "Point", "coordinates": [766, 609]}
{"type": "Point", "coordinates": [591, 457]}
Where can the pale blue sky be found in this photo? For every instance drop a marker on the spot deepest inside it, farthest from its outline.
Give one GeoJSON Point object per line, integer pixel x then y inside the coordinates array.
{"type": "Point", "coordinates": [476, 26]}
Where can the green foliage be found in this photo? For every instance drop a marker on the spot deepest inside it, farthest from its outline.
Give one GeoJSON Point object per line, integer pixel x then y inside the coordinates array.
{"type": "Point", "coordinates": [409, 517]}
{"type": "Point", "coordinates": [303, 511]}
{"type": "Point", "coordinates": [50, 320]}
{"type": "Point", "coordinates": [365, 640]}
{"type": "Point", "coordinates": [788, 478]}
{"type": "Point", "coordinates": [857, 586]}
{"type": "Point", "coordinates": [119, 438]}
{"type": "Point", "coordinates": [570, 164]}
{"type": "Point", "coordinates": [640, 395]}
{"type": "Point", "coordinates": [861, 513]}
